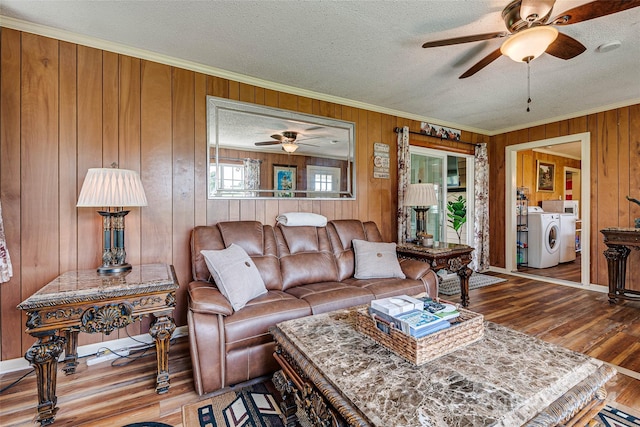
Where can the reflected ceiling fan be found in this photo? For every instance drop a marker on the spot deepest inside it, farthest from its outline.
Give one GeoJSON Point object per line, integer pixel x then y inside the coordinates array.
{"type": "Point", "coordinates": [531, 32]}
{"type": "Point", "coordinates": [288, 139]}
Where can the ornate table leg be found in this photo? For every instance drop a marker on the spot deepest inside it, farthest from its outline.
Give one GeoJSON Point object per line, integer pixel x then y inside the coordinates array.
{"type": "Point", "coordinates": [617, 268]}
{"type": "Point", "coordinates": [43, 356]}
{"type": "Point", "coordinates": [161, 330]}
{"type": "Point", "coordinates": [288, 405]}
{"type": "Point", "coordinates": [71, 351]}
{"type": "Point", "coordinates": [464, 273]}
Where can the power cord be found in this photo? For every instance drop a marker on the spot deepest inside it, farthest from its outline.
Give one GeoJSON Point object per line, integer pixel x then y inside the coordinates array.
{"type": "Point", "coordinates": [17, 381]}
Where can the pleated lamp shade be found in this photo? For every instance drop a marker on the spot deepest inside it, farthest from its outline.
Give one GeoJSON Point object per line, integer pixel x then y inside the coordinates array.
{"type": "Point", "coordinates": [420, 195]}
{"type": "Point", "coordinates": [111, 187]}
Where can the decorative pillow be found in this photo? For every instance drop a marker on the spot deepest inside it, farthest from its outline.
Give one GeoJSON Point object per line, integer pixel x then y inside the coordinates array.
{"type": "Point", "coordinates": [376, 260]}
{"type": "Point", "coordinates": [236, 275]}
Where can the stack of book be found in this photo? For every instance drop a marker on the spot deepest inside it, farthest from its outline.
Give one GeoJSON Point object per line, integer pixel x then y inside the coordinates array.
{"type": "Point", "coordinates": [409, 315]}
{"type": "Point", "coordinates": [442, 310]}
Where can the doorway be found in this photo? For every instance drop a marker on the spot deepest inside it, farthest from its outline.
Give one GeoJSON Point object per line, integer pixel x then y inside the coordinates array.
{"type": "Point", "coordinates": [452, 174]}
{"type": "Point", "coordinates": [511, 153]}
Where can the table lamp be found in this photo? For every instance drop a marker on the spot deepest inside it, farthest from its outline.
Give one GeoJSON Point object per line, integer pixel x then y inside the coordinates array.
{"type": "Point", "coordinates": [112, 189]}
{"type": "Point", "coordinates": [421, 197]}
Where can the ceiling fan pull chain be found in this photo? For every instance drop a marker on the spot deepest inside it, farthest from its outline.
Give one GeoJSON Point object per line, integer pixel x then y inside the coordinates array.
{"type": "Point", "coordinates": [528, 84]}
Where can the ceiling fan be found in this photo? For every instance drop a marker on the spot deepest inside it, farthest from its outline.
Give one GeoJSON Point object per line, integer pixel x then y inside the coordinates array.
{"type": "Point", "coordinates": [288, 139]}
{"type": "Point", "coordinates": [531, 32]}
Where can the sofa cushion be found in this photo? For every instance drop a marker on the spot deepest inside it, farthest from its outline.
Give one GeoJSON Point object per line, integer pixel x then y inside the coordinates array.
{"type": "Point", "coordinates": [305, 256]}
{"type": "Point", "coordinates": [256, 239]}
{"type": "Point", "coordinates": [341, 233]}
{"type": "Point", "coordinates": [376, 260]}
{"type": "Point", "coordinates": [329, 296]}
{"type": "Point", "coordinates": [250, 325]}
{"type": "Point", "coordinates": [385, 288]}
{"type": "Point", "coordinates": [235, 275]}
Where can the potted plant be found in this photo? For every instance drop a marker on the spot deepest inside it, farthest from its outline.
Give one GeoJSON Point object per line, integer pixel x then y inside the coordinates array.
{"type": "Point", "coordinates": [457, 215]}
{"type": "Point", "coordinates": [637, 202]}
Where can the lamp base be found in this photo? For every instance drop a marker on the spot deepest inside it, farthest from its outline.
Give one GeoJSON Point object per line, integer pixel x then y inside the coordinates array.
{"type": "Point", "coordinates": [114, 269]}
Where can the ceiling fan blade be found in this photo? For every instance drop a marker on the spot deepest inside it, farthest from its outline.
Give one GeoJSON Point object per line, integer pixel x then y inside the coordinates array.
{"type": "Point", "coordinates": [592, 10]}
{"type": "Point", "coordinates": [482, 63]}
{"type": "Point", "coordinates": [565, 47]}
{"type": "Point", "coordinates": [533, 10]}
{"type": "Point", "coordinates": [267, 143]}
{"type": "Point", "coordinates": [465, 39]}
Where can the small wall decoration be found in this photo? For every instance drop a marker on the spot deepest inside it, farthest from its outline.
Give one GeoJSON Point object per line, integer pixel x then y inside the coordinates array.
{"type": "Point", "coordinates": [380, 160]}
{"type": "Point", "coordinates": [546, 176]}
{"type": "Point", "coordinates": [284, 180]}
{"type": "Point", "coordinates": [440, 131]}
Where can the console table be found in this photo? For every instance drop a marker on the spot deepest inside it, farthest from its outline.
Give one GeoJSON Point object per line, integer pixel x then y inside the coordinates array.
{"type": "Point", "coordinates": [620, 241]}
{"type": "Point", "coordinates": [84, 301]}
{"type": "Point", "coordinates": [450, 256]}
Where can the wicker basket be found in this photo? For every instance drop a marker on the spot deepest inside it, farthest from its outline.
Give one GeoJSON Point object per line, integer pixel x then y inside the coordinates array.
{"type": "Point", "coordinates": [468, 329]}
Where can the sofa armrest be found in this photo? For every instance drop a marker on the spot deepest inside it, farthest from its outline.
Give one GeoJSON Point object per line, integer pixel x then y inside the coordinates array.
{"type": "Point", "coordinates": [414, 269]}
{"type": "Point", "coordinates": [206, 298]}
{"type": "Point", "coordinates": [418, 270]}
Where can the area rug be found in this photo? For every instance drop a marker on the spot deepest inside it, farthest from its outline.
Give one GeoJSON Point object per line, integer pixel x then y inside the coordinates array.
{"type": "Point", "coordinates": [252, 406]}
{"type": "Point", "coordinates": [613, 417]}
{"type": "Point", "coordinates": [257, 406]}
{"type": "Point", "coordinates": [477, 280]}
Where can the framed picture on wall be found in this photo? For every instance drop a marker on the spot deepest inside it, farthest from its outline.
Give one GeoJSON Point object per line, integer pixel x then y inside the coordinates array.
{"type": "Point", "coordinates": [284, 180]}
{"type": "Point", "coordinates": [546, 176]}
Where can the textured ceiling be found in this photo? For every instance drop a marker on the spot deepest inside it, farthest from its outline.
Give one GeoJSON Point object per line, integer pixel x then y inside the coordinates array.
{"type": "Point", "coordinates": [370, 52]}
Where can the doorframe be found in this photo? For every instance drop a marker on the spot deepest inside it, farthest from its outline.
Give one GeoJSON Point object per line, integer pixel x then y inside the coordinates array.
{"type": "Point", "coordinates": [585, 193]}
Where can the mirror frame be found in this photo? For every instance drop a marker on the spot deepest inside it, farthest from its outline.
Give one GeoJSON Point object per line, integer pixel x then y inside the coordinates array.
{"type": "Point", "coordinates": [217, 105]}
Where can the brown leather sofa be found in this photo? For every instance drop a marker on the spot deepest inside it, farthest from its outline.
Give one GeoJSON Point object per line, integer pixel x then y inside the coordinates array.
{"type": "Point", "coordinates": [306, 270]}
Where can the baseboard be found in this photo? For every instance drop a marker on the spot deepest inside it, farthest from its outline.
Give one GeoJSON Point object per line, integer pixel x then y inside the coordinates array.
{"type": "Point", "coordinates": [20, 364]}
{"type": "Point", "coordinates": [591, 287]}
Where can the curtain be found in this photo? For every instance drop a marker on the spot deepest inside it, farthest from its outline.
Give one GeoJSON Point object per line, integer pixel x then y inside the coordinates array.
{"type": "Point", "coordinates": [251, 175]}
{"type": "Point", "coordinates": [404, 178]}
{"type": "Point", "coordinates": [481, 220]}
{"type": "Point", "coordinates": [6, 270]}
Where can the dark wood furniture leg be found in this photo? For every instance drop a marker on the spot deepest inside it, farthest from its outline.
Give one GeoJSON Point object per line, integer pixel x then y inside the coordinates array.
{"type": "Point", "coordinates": [43, 356]}
{"type": "Point", "coordinates": [71, 351]}
{"type": "Point", "coordinates": [617, 267]}
{"type": "Point", "coordinates": [161, 330]}
{"type": "Point", "coordinates": [288, 406]}
{"type": "Point", "coordinates": [464, 273]}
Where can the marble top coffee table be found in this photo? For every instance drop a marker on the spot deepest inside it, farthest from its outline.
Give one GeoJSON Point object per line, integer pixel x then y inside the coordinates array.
{"type": "Point", "coordinates": [341, 377]}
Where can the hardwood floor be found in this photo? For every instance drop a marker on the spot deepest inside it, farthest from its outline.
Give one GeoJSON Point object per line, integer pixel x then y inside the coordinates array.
{"type": "Point", "coordinates": [569, 271]}
{"type": "Point", "coordinates": [102, 395]}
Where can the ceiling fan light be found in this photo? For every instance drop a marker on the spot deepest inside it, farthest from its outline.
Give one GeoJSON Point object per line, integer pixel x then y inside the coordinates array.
{"type": "Point", "coordinates": [529, 43]}
{"type": "Point", "coordinates": [289, 147]}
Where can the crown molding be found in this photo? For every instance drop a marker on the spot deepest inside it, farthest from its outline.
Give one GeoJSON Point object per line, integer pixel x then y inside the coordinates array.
{"type": "Point", "coordinates": [102, 44]}
{"type": "Point", "coordinates": [68, 36]}
{"type": "Point", "coordinates": [600, 109]}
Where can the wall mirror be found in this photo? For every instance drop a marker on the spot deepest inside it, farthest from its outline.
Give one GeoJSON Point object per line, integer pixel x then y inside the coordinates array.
{"type": "Point", "coordinates": [263, 152]}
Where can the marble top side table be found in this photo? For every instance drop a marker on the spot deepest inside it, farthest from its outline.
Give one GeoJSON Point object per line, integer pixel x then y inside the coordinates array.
{"type": "Point", "coordinates": [84, 301]}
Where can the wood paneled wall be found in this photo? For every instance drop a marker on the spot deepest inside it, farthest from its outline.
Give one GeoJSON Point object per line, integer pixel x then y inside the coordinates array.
{"type": "Point", "coordinates": [615, 173]}
{"type": "Point", "coordinates": [65, 108]}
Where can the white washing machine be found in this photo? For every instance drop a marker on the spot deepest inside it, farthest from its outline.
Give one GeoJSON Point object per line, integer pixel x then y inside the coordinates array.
{"type": "Point", "coordinates": [544, 233]}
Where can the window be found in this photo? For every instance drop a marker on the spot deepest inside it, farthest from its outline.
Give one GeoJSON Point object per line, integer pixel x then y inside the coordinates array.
{"type": "Point", "coordinates": [231, 179]}
{"type": "Point", "coordinates": [323, 181]}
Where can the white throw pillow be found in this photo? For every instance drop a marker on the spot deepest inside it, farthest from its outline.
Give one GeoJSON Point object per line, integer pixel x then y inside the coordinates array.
{"type": "Point", "coordinates": [376, 260]}
{"type": "Point", "coordinates": [236, 275]}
